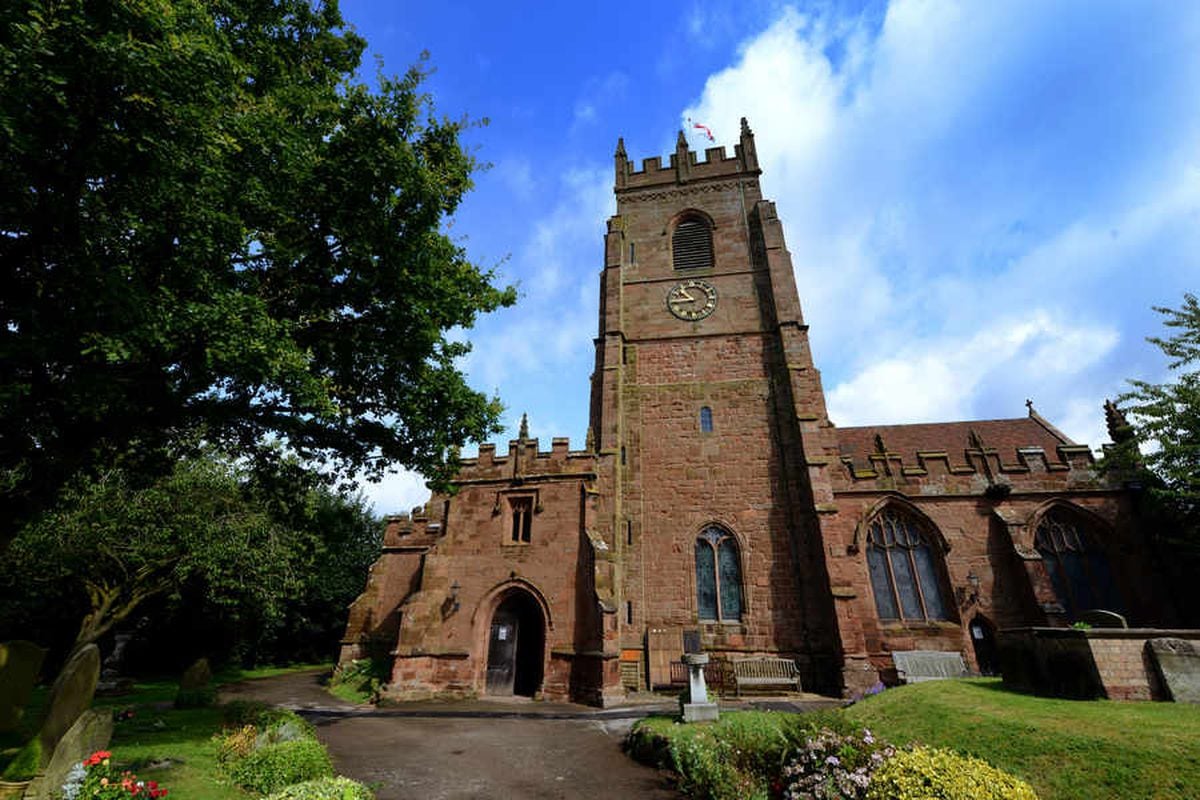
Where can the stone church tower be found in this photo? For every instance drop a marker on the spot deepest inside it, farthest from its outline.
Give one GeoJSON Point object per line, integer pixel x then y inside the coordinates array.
{"type": "Point", "coordinates": [715, 507]}
{"type": "Point", "coordinates": [711, 420]}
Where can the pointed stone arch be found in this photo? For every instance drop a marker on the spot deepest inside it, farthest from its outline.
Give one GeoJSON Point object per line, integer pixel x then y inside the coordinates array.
{"type": "Point", "coordinates": [905, 562]}
{"type": "Point", "coordinates": [906, 506]}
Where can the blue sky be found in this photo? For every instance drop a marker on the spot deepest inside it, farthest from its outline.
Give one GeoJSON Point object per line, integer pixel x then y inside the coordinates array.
{"type": "Point", "coordinates": [983, 201]}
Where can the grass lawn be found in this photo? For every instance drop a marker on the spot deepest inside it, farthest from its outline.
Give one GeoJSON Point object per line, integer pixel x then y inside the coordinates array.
{"type": "Point", "coordinates": [168, 745]}
{"type": "Point", "coordinates": [1067, 749]}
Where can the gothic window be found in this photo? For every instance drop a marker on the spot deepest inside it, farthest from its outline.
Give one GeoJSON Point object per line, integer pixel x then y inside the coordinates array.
{"type": "Point", "coordinates": [705, 419]}
{"type": "Point", "coordinates": [691, 245]}
{"type": "Point", "coordinates": [1077, 566]}
{"type": "Point", "coordinates": [522, 518]}
{"type": "Point", "coordinates": [904, 573]}
{"type": "Point", "coordinates": [718, 576]}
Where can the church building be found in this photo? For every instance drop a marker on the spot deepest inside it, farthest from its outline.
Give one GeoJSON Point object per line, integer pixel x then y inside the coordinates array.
{"type": "Point", "coordinates": [715, 507]}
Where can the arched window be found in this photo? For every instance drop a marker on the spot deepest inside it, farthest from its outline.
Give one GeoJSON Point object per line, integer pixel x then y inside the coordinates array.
{"type": "Point", "coordinates": [705, 419]}
{"type": "Point", "coordinates": [691, 245]}
{"type": "Point", "coordinates": [1077, 566]}
{"type": "Point", "coordinates": [904, 574]}
{"type": "Point", "coordinates": [718, 576]}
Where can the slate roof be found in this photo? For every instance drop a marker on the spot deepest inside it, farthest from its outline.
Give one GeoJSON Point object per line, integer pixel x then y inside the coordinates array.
{"type": "Point", "coordinates": [1006, 435]}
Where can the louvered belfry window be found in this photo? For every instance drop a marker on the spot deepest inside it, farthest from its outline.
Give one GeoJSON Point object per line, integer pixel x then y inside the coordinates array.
{"type": "Point", "coordinates": [692, 245]}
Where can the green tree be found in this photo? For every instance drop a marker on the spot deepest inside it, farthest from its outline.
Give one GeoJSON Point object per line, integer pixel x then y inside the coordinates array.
{"type": "Point", "coordinates": [1165, 421]}
{"type": "Point", "coordinates": [112, 545]}
{"type": "Point", "coordinates": [211, 231]}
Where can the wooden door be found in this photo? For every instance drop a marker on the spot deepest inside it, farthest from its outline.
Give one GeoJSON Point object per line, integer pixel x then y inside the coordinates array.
{"type": "Point", "coordinates": [665, 645]}
{"type": "Point", "coordinates": [502, 653]}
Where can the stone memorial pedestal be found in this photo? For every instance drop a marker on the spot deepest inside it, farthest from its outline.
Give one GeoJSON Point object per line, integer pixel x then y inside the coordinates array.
{"type": "Point", "coordinates": [698, 708]}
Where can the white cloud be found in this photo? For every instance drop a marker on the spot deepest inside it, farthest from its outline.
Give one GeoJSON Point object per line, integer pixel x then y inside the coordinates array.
{"type": "Point", "coordinates": [976, 205]}
{"type": "Point", "coordinates": [940, 379]}
{"type": "Point", "coordinates": [400, 490]}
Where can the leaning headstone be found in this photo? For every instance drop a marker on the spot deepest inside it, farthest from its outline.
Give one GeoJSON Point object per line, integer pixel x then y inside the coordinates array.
{"type": "Point", "coordinates": [70, 696]}
{"type": "Point", "coordinates": [91, 732]}
{"type": "Point", "coordinates": [20, 662]}
{"type": "Point", "coordinates": [1177, 662]}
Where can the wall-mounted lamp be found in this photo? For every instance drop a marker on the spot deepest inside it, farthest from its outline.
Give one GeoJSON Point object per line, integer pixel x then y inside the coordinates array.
{"type": "Point", "coordinates": [454, 590]}
{"type": "Point", "coordinates": [969, 595]}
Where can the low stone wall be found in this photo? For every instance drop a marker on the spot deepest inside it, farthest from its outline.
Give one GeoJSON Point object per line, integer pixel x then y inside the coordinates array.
{"type": "Point", "coordinates": [1114, 663]}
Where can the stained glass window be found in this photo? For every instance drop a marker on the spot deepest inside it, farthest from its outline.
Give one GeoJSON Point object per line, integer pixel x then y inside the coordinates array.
{"type": "Point", "coordinates": [718, 576]}
{"type": "Point", "coordinates": [706, 580]}
{"type": "Point", "coordinates": [904, 569]}
{"type": "Point", "coordinates": [1077, 565]}
{"type": "Point", "coordinates": [705, 419]}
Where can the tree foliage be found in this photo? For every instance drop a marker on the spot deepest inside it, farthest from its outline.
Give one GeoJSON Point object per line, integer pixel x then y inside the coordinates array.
{"type": "Point", "coordinates": [212, 559]}
{"type": "Point", "coordinates": [211, 231]}
{"type": "Point", "coordinates": [116, 545]}
{"type": "Point", "coordinates": [1165, 419]}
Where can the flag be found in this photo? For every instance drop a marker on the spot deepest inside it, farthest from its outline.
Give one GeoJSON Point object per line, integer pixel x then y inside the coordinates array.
{"type": "Point", "coordinates": [705, 128]}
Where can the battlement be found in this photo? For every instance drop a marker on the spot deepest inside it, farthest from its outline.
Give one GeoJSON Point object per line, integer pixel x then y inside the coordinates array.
{"type": "Point", "coordinates": [1015, 452]}
{"type": "Point", "coordinates": [987, 461]}
{"type": "Point", "coordinates": [685, 166]}
{"type": "Point", "coordinates": [525, 459]}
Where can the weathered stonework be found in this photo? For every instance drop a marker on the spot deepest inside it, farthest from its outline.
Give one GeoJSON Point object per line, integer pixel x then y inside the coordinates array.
{"type": "Point", "coordinates": [604, 590]}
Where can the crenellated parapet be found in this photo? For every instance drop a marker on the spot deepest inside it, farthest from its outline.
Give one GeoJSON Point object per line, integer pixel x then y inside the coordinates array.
{"type": "Point", "coordinates": [990, 456]}
{"type": "Point", "coordinates": [685, 166]}
{"type": "Point", "coordinates": [1068, 461]}
{"type": "Point", "coordinates": [525, 461]}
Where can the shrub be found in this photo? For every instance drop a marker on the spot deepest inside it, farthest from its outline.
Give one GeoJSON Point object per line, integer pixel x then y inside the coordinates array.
{"type": "Point", "coordinates": [196, 698]}
{"type": "Point", "coordinates": [740, 756]}
{"type": "Point", "coordinates": [325, 789]}
{"type": "Point", "coordinates": [275, 766]}
{"type": "Point", "coordinates": [243, 712]}
{"type": "Point", "coordinates": [236, 744]}
{"type": "Point", "coordinates": [832, 766]}
{"type": "Point", "coordinates": [924, 773]}
{"type": "Point", "coordinates": [361, 680]}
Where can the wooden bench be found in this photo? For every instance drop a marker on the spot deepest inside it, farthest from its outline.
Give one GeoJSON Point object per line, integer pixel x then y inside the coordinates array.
{"type": "Point", "coordinates": [765, 671]}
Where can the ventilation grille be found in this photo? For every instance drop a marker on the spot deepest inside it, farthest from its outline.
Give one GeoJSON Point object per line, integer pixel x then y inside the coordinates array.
{"type": "Point", "coordinates": [692, 245]}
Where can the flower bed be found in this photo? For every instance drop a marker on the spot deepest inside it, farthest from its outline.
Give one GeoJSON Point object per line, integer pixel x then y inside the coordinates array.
{"type": "Point", "coordinates": [760, 755]}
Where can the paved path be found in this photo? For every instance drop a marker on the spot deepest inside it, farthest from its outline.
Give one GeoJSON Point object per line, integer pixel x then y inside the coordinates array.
{"type": "Point", "coordinates": [447, 751]}
{"type": "Point", "coordinates": [480, 748]}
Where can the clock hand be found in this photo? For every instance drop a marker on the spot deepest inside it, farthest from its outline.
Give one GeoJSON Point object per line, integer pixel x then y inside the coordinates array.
{"type": "Point", "coordinates": [683, 296]}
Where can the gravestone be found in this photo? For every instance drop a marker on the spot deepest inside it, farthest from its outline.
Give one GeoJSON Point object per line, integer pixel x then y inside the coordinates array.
{"type": "Point", "coordinates": [91, 732]}
{"type": "Point", "coordinates": [914, 666]}
{"type": "Point", "coordinates": [194, 690]}
{"type": "Point", "coordinates": [111, 680]}
{"type": "Point", "coordinates": [1177, 662]}
{"type": "Point", "coordinates": [71, 695]}
{"type": "Point", "coordinates": [20, 662]}
{"type": "Point", "coordinates": [196, 676]}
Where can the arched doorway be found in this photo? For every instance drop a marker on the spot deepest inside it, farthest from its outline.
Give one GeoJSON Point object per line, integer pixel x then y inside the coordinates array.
{"type": "Point", "coordinates": [983, 639]}
{"type": "Point", "coordinates": [516, 646]}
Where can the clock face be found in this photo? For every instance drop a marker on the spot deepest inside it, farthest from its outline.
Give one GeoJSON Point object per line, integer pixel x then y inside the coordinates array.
{"type": "Point", "coordinates": [692, 299]}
